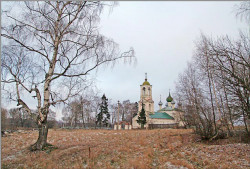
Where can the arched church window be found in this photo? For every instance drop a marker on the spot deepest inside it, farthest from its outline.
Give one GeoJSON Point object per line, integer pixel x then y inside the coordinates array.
{"type": "Point", "coordinates": [144, 90]}
{"type": "Point", "coordinates": [149, 91]}
{"type": "Point", "coordinates": [149, 107]}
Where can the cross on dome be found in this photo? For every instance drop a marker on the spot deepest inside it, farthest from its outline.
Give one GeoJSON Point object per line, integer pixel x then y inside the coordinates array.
{"type": "Point", "coordinates": [146, 80]}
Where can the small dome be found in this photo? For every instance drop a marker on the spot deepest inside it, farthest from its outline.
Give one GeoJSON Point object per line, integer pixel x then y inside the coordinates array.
{"type": "Point", "coordinates": [160, 103]}
{"type": "Point", "coordinates": [146, 83]}
{"type": "Point", "coordinates": [173, 102]}
{"type": "Point", "coordinates": [169, 99]}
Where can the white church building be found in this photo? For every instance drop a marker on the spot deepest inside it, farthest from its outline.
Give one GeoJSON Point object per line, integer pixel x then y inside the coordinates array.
{"type": "Point", "coordinates": [165, 117]}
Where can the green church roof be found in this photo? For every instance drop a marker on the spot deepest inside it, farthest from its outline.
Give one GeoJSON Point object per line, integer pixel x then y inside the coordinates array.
{"type": "Point", "coordinates": [146, 83]}
{"type": "Point", "coordinates": [159, 115]}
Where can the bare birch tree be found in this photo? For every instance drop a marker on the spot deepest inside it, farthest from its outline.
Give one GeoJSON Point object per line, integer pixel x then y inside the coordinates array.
{"type": "Point", "coordinates": [48, 50]}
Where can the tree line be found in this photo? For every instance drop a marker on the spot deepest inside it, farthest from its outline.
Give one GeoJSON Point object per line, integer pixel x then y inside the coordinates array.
{"type": "Point", "coordinates": [16, 118]}
{"type": "Point", "coordinates": [88, 111]}
{"type": "Point", "coordinates": [96, 112]}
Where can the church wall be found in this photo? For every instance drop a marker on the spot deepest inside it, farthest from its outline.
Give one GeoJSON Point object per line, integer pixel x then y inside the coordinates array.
{"type": "Point", "coordinates": [178, 118]}
{"type": "Point", "coordinates": [173, 106]}
{"type": "Point", "coordinates": [134, 122]}
{"type": "Point", "coordinates": [151, 121]}
{"type": "Point", "coordinates": [171, 113]}
{"type": "Point", "coordinates": [135, 125]}
{"type": "Point", "coordinates": [148, 91]}
{"type": "Point", "coordinates": [162, 121]}
{"type": "Point", "coordinates": [176, 115]}
{"type": "Point", "coordinates": [148, 106]}
{"type": "Point", "coordinates": [169, 104]}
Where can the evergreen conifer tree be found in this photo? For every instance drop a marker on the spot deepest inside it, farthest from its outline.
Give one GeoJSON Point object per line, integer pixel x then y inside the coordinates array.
{"type": "Point", "coordinates": [142, 117]}
{"type": "Point", "coordinates": [103, 116]}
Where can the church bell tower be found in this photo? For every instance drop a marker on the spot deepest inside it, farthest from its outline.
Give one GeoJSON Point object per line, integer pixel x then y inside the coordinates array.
{"type": "Point", "coordinates": [146, 97]}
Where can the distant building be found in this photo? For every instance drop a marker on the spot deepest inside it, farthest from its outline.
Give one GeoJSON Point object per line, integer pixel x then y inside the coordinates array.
{"type": "Point", "coordinates": [122, 125]}
{"type": "Point", "coordinates": [165, 117]}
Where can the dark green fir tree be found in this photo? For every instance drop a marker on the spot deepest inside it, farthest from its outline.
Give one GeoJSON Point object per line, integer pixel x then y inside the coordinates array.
{"type": "Point", "coordinates": [103, 116]}
{"type": "Point", "coordinates": [142, 117]}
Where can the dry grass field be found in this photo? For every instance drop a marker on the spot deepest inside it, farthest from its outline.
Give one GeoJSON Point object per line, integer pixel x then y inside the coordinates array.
{"type": "Point", "coordinates": [165, 148]}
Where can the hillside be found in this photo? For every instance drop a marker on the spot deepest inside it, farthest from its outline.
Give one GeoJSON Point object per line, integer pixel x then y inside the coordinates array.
{"type": "Point", "coordinates": [165, 148]}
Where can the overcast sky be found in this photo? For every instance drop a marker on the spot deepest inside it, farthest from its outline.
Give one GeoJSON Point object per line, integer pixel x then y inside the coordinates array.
{"type": "Point", "coordinates": [163, 36]}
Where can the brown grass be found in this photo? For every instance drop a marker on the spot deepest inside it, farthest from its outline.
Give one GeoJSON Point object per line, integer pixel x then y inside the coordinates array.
{"type": "Point", "coordinates": [140, 149]}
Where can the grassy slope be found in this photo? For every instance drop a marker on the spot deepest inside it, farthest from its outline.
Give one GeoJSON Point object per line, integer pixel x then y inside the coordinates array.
{"type": "Point", "coordinates": [165, 148]}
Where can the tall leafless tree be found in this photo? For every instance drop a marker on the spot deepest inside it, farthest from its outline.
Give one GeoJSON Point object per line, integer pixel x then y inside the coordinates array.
{"type": "Point", "coordinates": [231, 68]}
{"type": "Point", "coordinates": [49, 49]}
{"type": "Point", "coordinates": [214, 90]}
